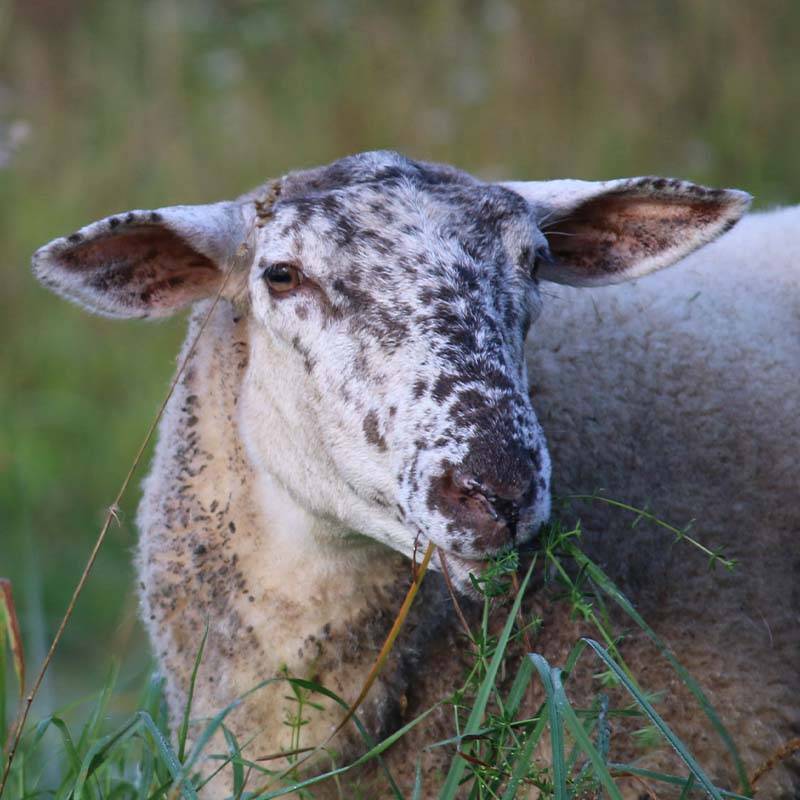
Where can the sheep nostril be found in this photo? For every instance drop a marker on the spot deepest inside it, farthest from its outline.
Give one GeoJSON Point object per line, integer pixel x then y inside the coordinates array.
{"type": "Point", "coordinates": [471, 490]}
{"type": "Point", "coordinates": [508, 511]}
{"type": "Point", "coordinates": [466, 483]}
{"type": "Point", "coordinates": [486, 515]}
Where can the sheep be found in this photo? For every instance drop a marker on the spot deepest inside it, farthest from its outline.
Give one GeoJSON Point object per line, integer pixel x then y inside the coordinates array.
{"type": "Point", "coordinates": [679, 393]}
{"type": "Point", "coordinates": [359, 389]}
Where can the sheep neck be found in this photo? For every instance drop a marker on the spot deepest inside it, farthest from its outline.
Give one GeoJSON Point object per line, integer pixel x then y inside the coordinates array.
{"type": "Point", "coordinates": [228, 548]}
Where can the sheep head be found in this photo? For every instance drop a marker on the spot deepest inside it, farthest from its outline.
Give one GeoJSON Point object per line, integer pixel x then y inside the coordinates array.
{"type": "Point", "coordinates": [388, 304]}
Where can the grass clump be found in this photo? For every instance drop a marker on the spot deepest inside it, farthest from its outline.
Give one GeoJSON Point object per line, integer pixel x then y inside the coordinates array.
{"type": "Point", "coordinates": [502, 745]}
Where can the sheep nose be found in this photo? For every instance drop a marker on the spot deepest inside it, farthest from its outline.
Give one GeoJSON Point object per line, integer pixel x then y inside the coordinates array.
{"type": "Point", "coordinates": [489, 512]}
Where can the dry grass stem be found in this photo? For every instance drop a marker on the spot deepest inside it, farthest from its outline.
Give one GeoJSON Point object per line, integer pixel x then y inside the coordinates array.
{"type": "Point", "coordinates": [376, 667]}
{"type": "Point", "coordinates": [781, 754]}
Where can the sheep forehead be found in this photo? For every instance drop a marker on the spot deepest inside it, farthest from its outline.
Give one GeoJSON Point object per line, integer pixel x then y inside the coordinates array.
{"type": "Point", "coordinates": [416, 258]}
{"type": "Point", "coordinates": [369, 167]}
{"type": "Point", "coordinates": [399, 244]}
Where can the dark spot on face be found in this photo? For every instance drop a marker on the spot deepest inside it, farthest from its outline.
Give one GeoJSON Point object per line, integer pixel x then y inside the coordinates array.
{"type": "Point", "coordinates": [344, 231]}
{"type": "Point", "coordinates": [470, 405]}
{"type": "Point", "coordinates": [232, 527]}
{"type": "Point", "coordinates": [155, 216]}
{"type": "Point", "coordinates": [76, 237]}
{"type": "Point", "coordinates": [305, 353]}
{"type": "Point", "coordinates": [444, 385]}
{"type": "Point", "coordinates": [113, 222]}
{"type": "Point", "coordinates": [200, 550]}
{"type": "Point", "coordinates": [358, 299]}
{"type": "Point", "coordinates": [372, 431]}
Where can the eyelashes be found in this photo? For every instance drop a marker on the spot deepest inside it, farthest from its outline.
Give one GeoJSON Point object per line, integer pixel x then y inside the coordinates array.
{"type": "Point", "coordinates": [283, 277]}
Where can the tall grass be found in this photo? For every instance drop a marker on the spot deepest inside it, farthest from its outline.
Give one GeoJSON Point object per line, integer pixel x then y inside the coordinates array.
{"type": "Point", "coordinates": [500, 746]}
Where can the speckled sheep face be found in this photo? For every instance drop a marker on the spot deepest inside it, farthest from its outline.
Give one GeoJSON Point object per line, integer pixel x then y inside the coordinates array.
{"type": "Point", "coordinates": [400, 332]}
{"type": "Point", "coordinates": [387, 303]}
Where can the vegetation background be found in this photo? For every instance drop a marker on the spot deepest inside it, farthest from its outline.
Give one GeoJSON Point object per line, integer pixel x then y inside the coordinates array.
{"type": "Point", "coordinates": [106, 106]}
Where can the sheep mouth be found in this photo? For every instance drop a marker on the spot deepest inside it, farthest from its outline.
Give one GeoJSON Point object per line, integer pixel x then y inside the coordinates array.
{"type": "Point", "coordinates": [459, 571]}
{"type": "Point", "coordinates": [460, 567]}
{"type": "Point", "coordinates": [455, 568]}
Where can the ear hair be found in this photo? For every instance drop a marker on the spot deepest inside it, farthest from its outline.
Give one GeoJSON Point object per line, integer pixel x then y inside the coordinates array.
{"type": "Point", "coordinates": [144, 263]}
{"type": "Point", "coordinates": [612, 231]}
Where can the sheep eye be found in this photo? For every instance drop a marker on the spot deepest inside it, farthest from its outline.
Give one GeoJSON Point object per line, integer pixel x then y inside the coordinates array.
{"type": "Point", "coordinates": [282, 277]}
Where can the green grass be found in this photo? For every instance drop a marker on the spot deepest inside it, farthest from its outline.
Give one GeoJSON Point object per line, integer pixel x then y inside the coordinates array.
{"type": "Point", "coordinates": [492, 740]}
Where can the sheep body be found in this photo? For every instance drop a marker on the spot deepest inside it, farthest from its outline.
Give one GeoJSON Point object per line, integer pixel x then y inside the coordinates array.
{"type": "Point", "coordinates": [679, 393]}
{"type": "Point", "coordinates": [360, 386]}
{"type": "Point", "coordinates": [673, 393]}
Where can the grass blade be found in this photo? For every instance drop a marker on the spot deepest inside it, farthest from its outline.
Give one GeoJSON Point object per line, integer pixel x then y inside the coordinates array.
{"type": "Point", "coordinates": [520, 686]}
{"type": "Point", "coordinates": [687, 788]}
{"type": "Point", "coordinates": [610, 588]}
{"type": "Point", "coordinates": [237, 767]}
{"type": "Point", "coordinates": [168, 755]}
{"type": "Point", "coordinates": [656, 719]}
{"type": "Point", "coordinates": [9, 627]}
{"type": "Point", "coordinates": [450, 788]}
{"type": "Point", "coordinates": [69, 746]}
{"type": "Point", "coordinates": [582, 739]}
{"type": "Point", "coordinates": [184, 729]}
{"type": "Point", "coordinates": [417, 793]}
{"type": "Point", "coordinates": [556, 731]}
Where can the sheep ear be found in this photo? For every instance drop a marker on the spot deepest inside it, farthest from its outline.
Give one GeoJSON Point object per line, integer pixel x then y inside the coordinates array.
{"type": "Point", "coordinates": [612, 231]}
{"type": "Point", "coordinates": [144, 263]}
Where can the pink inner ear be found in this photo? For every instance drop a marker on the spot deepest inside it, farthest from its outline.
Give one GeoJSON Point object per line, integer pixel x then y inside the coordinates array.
{"type": "Point", "coordinates": [148, 267]}
{"type": "Point", "coordinates": [608, 234]}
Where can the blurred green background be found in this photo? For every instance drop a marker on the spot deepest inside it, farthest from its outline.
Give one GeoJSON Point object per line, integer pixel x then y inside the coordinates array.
{"type": "Point", "coordinates": [112, 105]}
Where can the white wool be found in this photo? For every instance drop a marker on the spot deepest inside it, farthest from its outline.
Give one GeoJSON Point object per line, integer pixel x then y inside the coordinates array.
{"type": "Point", "coordinates": [681, 393]}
